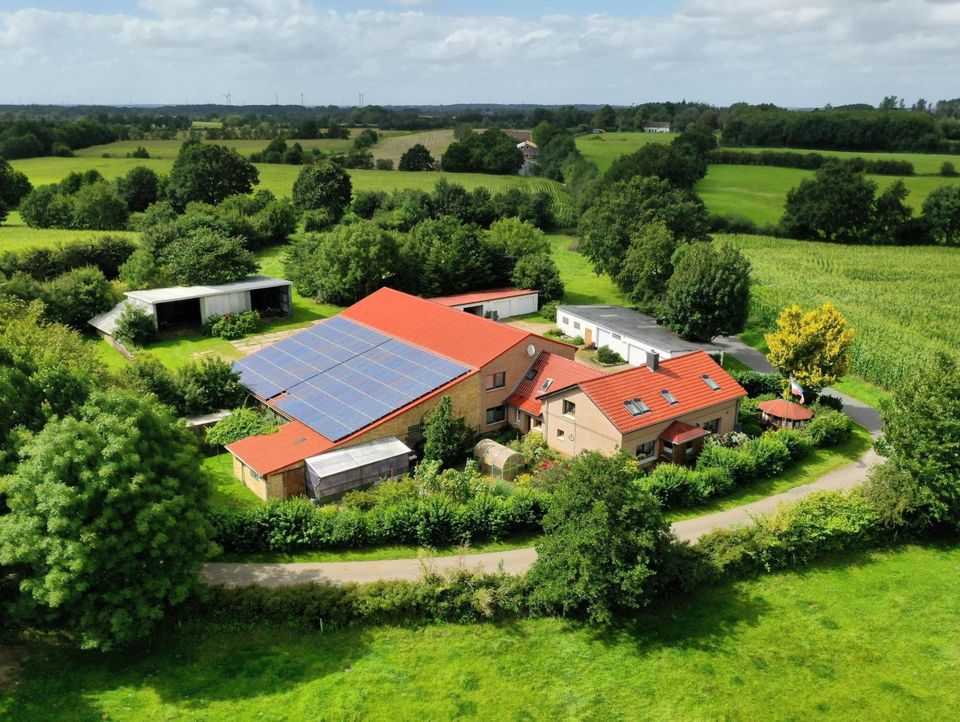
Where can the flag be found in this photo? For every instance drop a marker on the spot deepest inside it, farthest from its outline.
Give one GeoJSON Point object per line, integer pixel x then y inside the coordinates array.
{"type": "Point", "coordinates": [796, 389]}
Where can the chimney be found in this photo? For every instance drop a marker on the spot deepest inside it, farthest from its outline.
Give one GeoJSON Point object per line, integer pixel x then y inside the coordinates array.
{"type": "Point", "coordinates": [653, 360]}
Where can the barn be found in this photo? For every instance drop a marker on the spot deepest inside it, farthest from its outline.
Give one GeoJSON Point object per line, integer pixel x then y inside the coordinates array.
{"type": "Point", "coordinates": [495, 304]}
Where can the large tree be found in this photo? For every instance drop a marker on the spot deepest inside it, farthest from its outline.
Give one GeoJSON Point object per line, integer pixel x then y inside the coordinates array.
{"type": "Point", "coordinates": [416, 158]}
{"type": "Point", "coordinates": [206, 256]}
{"type": "Point", "coordinates": [209, 174]}
{"type": "Point", "coordinates": [447, 439]}
{"type": "Point", "coordinates": [107, 525]}
{"type": "Point", "coordinates": [648, 264]}
{"type": "Point", "coordinates": [620, 212]}
{"type": "Point", "coordinates": [323, 186]}
{"type": "Point", "coordinates": [139, 188]}
{"type": "Point", "coordinates": [941, 212]}
{"type": "Point", "coordinates": [837, 206]}
{"type": "Point", "coordinates": [681, 165]}
{"type": "Point", "coordinates": [604, 544]}
{"type": "Point", "coordinates": [538, 271]}
{"type": "Point", "coordinates": [812, 346]}
{"type": "Point", "coordinates": [709, 292]}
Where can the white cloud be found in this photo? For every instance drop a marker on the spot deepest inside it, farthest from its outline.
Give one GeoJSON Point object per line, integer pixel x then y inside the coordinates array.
{"type": "Point", "coordinates": [795, 52]}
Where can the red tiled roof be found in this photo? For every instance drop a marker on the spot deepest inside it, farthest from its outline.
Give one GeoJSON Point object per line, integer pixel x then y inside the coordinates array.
{"type": "Point", "coordinates": [459, 336]}
{"type": "Point", "coordinates": [480, 296]}
{"type": "Point", "coordinates": [681, 376]}
{"type": "Point", "coordinates": [292, 443]}
{"type": "Point", "coordinates": [564, 373]}
{"type": "Point", "coordinates": [679, 432]}
{"type": "Point", "coordinates": [783, 409]}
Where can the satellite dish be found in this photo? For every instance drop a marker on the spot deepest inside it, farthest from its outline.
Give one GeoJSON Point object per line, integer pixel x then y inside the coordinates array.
{"type": "Point", "coordinates": [531, 350]}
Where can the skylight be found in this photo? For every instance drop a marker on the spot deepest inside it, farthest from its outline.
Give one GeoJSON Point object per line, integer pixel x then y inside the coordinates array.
{"type": "Point", "coordinates": [636, 407]}
{"type": "Point", "coordinates": [531, 375]}
{"type": "Point", "coordinates": [714, 386]}
{"type": "Point", "coordinates": [546, 385]}
{"type": "Point", "coordinates": [671, 399]}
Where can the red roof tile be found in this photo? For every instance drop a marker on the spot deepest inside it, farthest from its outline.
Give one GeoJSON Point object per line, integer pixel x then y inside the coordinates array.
{"type": "Point", "coordinates": [459, 336]}
{"type": "Point", "coordinates": [783, 409]}
{"type": "Point", "coordinates": [480, 296]}
{"type": "Point", "coordinates": [681, 376]}
{"type": "Point", "coordinates": [679, 432]}
{"type": "Point", "coordinates": [564, 373]}
{"type": "Point", "coordinates": [292, 443]}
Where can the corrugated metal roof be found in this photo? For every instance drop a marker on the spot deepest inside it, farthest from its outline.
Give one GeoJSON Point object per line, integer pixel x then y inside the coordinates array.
{"type": "Point", "coordinates": [183, 293]}
{"type": "Point", "coordinates": [493, 294]}
{"type": "Point", "coordinates": [107, 321]}
{"type": "Point", "coordinates": [354, 457]}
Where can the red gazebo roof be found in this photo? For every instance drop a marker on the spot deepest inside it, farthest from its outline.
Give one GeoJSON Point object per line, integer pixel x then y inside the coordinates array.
{"type": "Point", "coordinates": [783, 409]}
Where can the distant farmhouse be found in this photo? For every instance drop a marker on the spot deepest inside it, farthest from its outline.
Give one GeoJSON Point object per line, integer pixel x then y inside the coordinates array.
{"type": "Point", "coordinates": [631, 334]}
{"type": "Point", "coordinates": [528, 148]}
{"type": "Point", "coordinates": [354, 391]}
{"type": "Point", "coordinates": [656, 127]}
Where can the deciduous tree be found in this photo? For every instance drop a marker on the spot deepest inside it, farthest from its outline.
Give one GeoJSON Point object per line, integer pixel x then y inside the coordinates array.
{"type": "Point", "coordinates": [812, 346]}
{"type": "Point", "coordinates": [209, 173]}
{"type": "Point", "coordinates": [323, 186]}
{"type": "Point", "coordinates": [416, 158]}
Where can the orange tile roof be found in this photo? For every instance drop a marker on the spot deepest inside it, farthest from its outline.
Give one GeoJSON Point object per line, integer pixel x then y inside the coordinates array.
{"type": "Point", "coordinates": [459, 336]}
{"type": "Point", "coordinates": [679, 432]}
{"type": "Point", "coordinates": [564, 373]}
{"type": "Point", "coordinates": [480, 296]}
{"type": "Point", "coordinates": [783, 409]}
{"type": "Point", "coordinates": [291, 443]}
{"type": "Point", "coordinates": [681, 376]}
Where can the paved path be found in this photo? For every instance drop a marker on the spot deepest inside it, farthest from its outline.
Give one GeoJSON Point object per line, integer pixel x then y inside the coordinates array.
{"type": "Point", "coordinates": [517, 561]}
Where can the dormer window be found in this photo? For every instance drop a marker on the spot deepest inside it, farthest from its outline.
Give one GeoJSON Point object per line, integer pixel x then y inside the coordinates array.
{"type": "Point", "coordinates": [547, 383]}
{"type": "Point", "coordinates": [714, 386]}
{"type": "Point", "coordinates": [636, 407]}
{"type": "Point", "coordinates": [670, 398]}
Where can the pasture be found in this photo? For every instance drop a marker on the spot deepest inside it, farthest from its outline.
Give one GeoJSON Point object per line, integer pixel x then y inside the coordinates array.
{"type": "Point", "coordinates": [903, 303]}
{"type": "Point", "coordinates": [604, 148]}
{"type": "Point", "coordinates": [840, 640]}
{"type": "Point", "coordinates": [15, 235]}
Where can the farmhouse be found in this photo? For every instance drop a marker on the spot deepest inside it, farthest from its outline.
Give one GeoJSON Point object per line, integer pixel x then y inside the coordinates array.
{"type": "Point", "coordinates": [631, 334]}
{"type": "Point", "coordinates": [656, 127]}
{"type": "Point", "coordinates": [528, 148]}
{"type": "Point", "coordinates": [182, 307]}
{"type": "Point", "coordinates": [660, 412]}
{"type": "Point", "coordinates": [496, 303]}
{"type": "Point", "coordinates": [374, 372]}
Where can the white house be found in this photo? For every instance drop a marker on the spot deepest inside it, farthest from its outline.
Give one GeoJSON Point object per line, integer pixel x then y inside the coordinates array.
{"type": "Point", "coordinates": [496, 303]}
{"type": "Point", "coordinates": [656, 127]}
{"type": "Point", "coordinates": [631, 334]}
{"type": "Point", "coordinates": [189, 306]}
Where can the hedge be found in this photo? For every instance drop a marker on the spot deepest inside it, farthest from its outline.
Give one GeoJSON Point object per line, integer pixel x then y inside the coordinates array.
{"type": "Point", "coordinates": [107, 253]}
{"type": "Point", "coordinates": [296, 524]}
{"type": "Point", "coordinates": [810, 161]}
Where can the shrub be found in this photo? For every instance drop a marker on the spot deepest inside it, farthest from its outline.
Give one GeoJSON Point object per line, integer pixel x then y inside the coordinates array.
{"type": "Point", "coordinates": [77, 296]}
{"type": "Point", "coordinates": [135, 327]}
{"type": "Point", "coordinates": [232, 325]}
{"type": "Point", "coordinates": [829, 427]}
{"type": "Point", "coordinates": [757, 384]}
{"type": "Point", "coordinates": [549, 312]}
{"type": "Point", "coordinates": [446, 439]}
{"type": "Point", "coordinates": [383, 164]}
{"type": "Point", "coordinates": [577, 341]}
{"type": "Point", "coordinates": [948, 170]}
{"type": "Point", "coordinates": [607, 355]}
{"type": "Point", "coordinates": [240, 424]}
{"type": "Point", "coordinates": [208, 256]}
{"type": "Point", "coordinates": [209, 385]}
{"type": "Point", "coordinates": [318, 221]}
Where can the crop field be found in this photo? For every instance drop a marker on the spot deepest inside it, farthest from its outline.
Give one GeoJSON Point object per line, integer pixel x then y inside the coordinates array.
{"type": "Point", "coordinates": [169, 148]}
{"type": "Point", "coordinates": [436, 141]}
{"type": "Point", "coordinates": [759, 192]}
{"type": "Point", "coordinates": [840, 640]}
{"type": "Point", "coordinates": [903, 303]}
{"type": "Point", "coordinates": [604, 148]}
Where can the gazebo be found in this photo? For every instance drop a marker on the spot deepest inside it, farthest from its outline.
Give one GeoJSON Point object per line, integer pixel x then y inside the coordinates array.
{"type": "Point", "coordinates": [783, 414]}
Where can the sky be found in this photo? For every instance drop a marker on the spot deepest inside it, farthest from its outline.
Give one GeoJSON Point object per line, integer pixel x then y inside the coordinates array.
{"type": "Point", "coordinates": [796, 53]}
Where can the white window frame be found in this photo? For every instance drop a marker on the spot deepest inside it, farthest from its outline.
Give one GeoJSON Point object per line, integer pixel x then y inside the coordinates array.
{"type": "Point", "coordinates": [570, 413]}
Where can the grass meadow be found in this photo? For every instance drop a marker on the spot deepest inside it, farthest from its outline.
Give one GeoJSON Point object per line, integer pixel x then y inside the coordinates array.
{"type": "Point", "coordinates": [839, 640]}
{"type": "Point", "coordinates": [15, 235]}
{"type": "Point", "coordinates": [604, 148]}
{"type": "Point", "coordinates": [923, 163]}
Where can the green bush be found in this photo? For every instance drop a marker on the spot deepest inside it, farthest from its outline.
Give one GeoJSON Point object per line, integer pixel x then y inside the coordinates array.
{"type": "Point", "coordinates": [549, 312]}
{"type": "Point", "coordinates": [240, 424]}
{"type": "Point", "coordinates": [829, 428]}
{"type": "Point", "coordinates": [948, 170]}
{"type": "Point", "coordinates": [232, 325]}
{"type": "Point", "coordinates": [209, 385]}
{"type": "Point", "coordinates": [759, 384]}
{"type": "Point", "coordinates": [607, 355]}
{"type": "Point", "coordinates": [135, 327]}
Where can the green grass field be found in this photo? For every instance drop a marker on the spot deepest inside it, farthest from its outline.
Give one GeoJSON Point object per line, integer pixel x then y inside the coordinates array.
{"type": "Point", "coordinates": [15, 235]}
{"type": "Point", "coordinates": [903, 303]}
{"type": "Point", "coordinates": [842, 640]}
{"type": "Point", "coordinates": [604, 148]}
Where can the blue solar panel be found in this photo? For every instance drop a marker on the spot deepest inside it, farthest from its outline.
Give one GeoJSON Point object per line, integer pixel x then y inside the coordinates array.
{"type": "Point", "coordinates": [339, 377]}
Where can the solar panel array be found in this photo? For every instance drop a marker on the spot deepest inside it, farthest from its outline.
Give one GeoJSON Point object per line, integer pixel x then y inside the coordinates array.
{"type": "Point", "coordinates": [339, 376]}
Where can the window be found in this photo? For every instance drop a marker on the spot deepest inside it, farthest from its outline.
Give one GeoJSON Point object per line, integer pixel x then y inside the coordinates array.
{"type": "Point", "coordinates": [569, 408]}
{"type": "Point", "coordinates": [496, 414]}
{"type": "Point", "coordinates": [645, 450]}
{"type": "Point", "coordinates": [636, 407]}
{"type": "Point", "coordinates": [688, 452]}
{"type": "Point", "coordinates": [671, 399]}
{"type": "Point", "coordinates": [566, 319]}
{"type": "Point", "coordinates": [667, 449]}
{"type": "Point", "coordinates": [712, 426]}
{"type": "Point", "coordinates": [714, 386]}
{"type": "Point", "coordinates": [530, 375]}
{"type": "Point", "coordinates": [415, 434]}
{"type": "Point", "coordinates": [547, 383]}
{"type": "Point", "coordinates": [519, 416]}
{"type": "Point", "coordinates": [561, 434]}
{"type": "Point", "coordinates": [576, 325]}
{"type": "Point", "coordinates": [495, 381]}
{"type": "Point", "coordinates": [616, 336]}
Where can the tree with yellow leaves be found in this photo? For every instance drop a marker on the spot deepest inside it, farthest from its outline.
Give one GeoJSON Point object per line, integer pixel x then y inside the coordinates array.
{"type": "Point", "coordinates": [812, 346]}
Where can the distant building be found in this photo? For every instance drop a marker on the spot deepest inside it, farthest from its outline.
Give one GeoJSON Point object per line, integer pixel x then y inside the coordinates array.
{"type": "Point", "coordinates": [496, 303]}
{"type": "Point", "coordinates": [528, 148]}
{"type": "Point", "coordinates": [598, 131]}
{"type": "Point", "coordinates": [656, 127]}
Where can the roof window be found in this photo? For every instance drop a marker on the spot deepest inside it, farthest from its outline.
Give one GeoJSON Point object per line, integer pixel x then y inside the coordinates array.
{"type": "Point", "coordinates": [636, 407]}
{"type": "Point", "coordinates": [547, 383]}
{"type": "Point", "coordinates": [671, 399]}
{"type": "Point", "coordinates": [714, 386]}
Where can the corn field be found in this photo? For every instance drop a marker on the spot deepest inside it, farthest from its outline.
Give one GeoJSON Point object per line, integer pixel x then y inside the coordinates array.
{"type": "Point", "coordinates": [903, 303]}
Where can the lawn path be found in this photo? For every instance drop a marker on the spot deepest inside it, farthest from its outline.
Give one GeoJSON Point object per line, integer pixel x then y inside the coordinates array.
{"type": "Point", "coordinates": [517, 561]}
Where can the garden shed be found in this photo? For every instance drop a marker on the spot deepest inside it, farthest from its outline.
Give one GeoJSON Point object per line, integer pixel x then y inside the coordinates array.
{"type": "Point", "coordinates": [783, 414]}
{"type": "Point", "coordinates": [498, 460]}
{"type": "Point", "coordinates": [342, 470]}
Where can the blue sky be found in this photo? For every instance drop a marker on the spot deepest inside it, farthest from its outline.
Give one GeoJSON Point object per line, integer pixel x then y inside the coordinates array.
{"type": "Point", "coordinates": [791, 52]}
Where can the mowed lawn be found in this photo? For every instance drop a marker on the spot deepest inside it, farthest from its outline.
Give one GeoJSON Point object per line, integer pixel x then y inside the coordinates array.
{"type": "Point", "coordinates": [604, 148]}
{"type": "Point", "coordinates": [870, 636]}
{"type": "Point", "coordinates": [903, 303]}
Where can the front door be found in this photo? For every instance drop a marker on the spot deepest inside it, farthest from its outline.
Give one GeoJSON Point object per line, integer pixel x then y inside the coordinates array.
{"type": "Point", "coordinates": [588, 337]}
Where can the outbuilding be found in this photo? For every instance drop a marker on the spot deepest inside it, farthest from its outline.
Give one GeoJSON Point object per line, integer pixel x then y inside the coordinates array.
{"type": "Point", "coordinates": [494, 304]}
{"type": "Point", "coordinates": [342, 470]}
{"type": "Point", "coordinates": [498, 460]}
{"type": "Point", "coordinates": [783, 414]}
{"type": "Point", "coordinates": [633, 335]}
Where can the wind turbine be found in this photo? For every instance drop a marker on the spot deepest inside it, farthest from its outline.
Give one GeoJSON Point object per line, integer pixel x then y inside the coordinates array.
{"type": "Point", "coordinates": [226, 97]}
